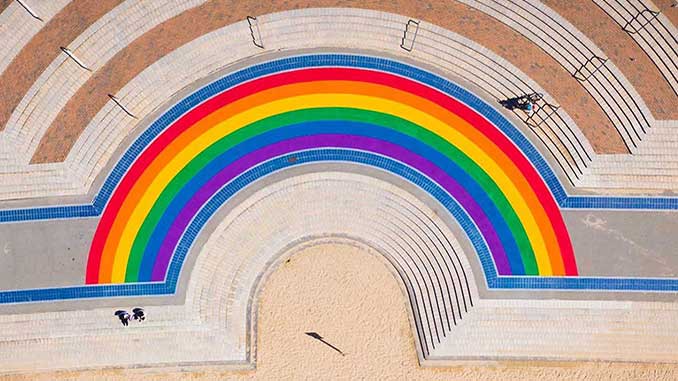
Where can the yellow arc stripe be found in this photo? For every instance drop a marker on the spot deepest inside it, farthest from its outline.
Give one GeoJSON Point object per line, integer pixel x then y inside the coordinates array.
{"type": "Point", "coordinates": [223, 128]}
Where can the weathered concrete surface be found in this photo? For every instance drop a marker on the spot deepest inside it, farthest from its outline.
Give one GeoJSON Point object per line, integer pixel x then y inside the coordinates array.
{"type": "Point", "coordinates": [44, 253]}
{"type": "Point", "coordinates": [669, 8]}
{"type": "Point", "coordinates": [607, 243]}
{"type": "Point", "coordinates": [353, 301]}
{"type": "Point", "coordinates": [624, 243]}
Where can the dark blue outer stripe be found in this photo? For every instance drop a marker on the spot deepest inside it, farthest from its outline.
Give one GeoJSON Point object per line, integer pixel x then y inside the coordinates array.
{"type": "Point", "coordinates": [346, 60]}
{"type": "Point", "coordinates": [337, 155]}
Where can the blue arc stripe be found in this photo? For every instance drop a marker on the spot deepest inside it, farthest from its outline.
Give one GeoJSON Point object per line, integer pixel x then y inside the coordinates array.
{"type": "Point", "coordinates": [331, 127]}
{"type": "Point", "coordinates": [340, 60]}
{"type": "Point", "coordinates": [338, 155]}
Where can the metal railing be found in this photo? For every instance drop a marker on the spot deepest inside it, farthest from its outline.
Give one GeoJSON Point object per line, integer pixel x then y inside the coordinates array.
{"type": "Point", "coordinates": [656, 39]}
{"type": "Point", "coordinates": [503, 83]}
{"type": "Point", "coordinates": [617, 103]}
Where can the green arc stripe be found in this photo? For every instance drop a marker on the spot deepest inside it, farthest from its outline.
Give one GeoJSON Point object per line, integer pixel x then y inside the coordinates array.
{"type": "Point", "coordinates": [314, 114]}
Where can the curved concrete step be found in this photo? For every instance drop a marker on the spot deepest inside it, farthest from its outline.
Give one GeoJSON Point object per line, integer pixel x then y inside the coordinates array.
{"type": "Point", "coordinates": [653, 32]}
{"type": "Point", "coordinates": [17, 26]}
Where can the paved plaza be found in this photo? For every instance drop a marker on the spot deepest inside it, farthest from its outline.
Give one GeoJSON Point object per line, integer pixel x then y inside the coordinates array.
{"type": "Point", "coordinates": [467, 189]}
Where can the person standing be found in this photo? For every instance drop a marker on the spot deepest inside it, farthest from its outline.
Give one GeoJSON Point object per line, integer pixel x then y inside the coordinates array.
{"type": "Point", "coordinates": [529, 108]}
{"type": "Point", "coordinates": [123, 316]}
{"type": "Point", "coordinates": [139, 314]}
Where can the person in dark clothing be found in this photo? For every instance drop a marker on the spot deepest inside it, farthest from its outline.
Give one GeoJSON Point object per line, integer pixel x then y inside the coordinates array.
{"type": "Point", "coordinates": [139, 314]}
{"type": "Point", "coordinates": [123, 316]}
{"type": "Point", "coordinates": [526, 103]}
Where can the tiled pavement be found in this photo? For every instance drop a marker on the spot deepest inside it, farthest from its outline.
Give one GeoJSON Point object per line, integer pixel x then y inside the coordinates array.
{"type": "Point", "coordinates": [611, 90]}
{"type": "Point", "coordinates": [63, 77]}
{"type": "Point", "coordinates": [565, 144]}
{"type": "Point", "coordinates": [652, 31]}
{"type": "Point", "coordinates": [18, 27]}
{"type": "Point", "coordinates": [621, 48]}
{"type": "Point", "coordinates": [43, 47]}
{"type": "Point", "coordinates": [213, 323]}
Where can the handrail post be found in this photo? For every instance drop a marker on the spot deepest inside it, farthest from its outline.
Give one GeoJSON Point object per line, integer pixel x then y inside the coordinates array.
{"type": "Point", "coordinates": [592, 65]}
{"type": "Point", "coordinates": [407, 33]}
{"type": "Point", "coordinates": [631, 29]}
{"type": "Point", "coordinates": [29, 10]}
{"type": "Point", "coordinates": [256, 38]}
{"type": "Point", "coordinates": [69, 53]}
{"type": "Point", "coordinates": [544, 111]}
{"type": "Point", "coordinates": [117, 102]}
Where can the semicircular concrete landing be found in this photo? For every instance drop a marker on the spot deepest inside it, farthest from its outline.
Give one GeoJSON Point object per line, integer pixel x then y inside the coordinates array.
{"type": "Point", "coordinates": [338, 300]}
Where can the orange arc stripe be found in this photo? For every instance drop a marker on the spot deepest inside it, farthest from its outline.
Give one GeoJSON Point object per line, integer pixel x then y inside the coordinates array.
{"type": "Point", "coordinates": [348, 87]}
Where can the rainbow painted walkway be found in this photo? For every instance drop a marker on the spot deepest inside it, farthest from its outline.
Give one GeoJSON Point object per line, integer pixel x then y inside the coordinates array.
{"type": "Point", "coordinates": [374, 151]}
{"type": "Point", "coordinates": [332, 108]}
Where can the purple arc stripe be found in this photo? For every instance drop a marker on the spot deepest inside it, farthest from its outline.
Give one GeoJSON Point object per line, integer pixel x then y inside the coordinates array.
{"type": "Point", "coordinates": [380, 147]}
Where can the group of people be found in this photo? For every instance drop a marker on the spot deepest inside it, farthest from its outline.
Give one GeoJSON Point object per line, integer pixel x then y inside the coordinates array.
{"type": "Point", "coordinates": [526, 103]}
{"type": "Point", "coordinates": [125, 317]}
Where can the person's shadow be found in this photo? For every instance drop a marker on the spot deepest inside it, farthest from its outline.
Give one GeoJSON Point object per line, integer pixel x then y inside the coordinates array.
{"type": "Point", "coordinates": [316, 336]}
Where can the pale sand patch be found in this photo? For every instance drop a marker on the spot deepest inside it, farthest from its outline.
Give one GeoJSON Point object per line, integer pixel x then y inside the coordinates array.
{"type": "Point", "coordinates": [352, 299]}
